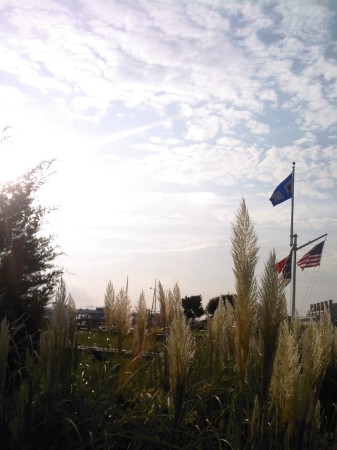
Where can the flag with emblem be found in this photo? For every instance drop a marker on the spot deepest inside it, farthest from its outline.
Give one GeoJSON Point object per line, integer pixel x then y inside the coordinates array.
{"type": "Point", "coordinates": [283, 191]}
{"type": "Point", "coordinates": [283, 267]}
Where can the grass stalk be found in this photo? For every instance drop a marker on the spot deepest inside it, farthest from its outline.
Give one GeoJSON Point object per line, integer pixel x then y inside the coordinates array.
{"type": "Point", "coordinates": [245, 256]}
{"type": "Point", "coordinates": [181, 349]}
{"type": "Point", "coordinates": [4, 349]}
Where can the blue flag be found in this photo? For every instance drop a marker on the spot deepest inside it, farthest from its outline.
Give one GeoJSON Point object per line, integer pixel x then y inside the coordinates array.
{"type": "Point", "coordinates": [283, 192]}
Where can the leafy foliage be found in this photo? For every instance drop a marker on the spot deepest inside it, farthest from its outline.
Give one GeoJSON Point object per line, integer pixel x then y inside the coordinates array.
{"type": "Point", "coordinates": [192, 307]}
{"type": "Point", "coordinates": [28, 274]}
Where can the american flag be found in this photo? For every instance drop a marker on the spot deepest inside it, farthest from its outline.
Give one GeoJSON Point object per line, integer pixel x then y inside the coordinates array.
{"type": "Point", "coordinates": [312, 258]}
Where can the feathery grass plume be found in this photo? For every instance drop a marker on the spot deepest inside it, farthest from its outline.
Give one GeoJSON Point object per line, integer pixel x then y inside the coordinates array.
{"type": "Point", "coordinates": [170, 307]}
{"type": "Point", "coordinates": [130, 369]}
{"type": "Point", "coordinates": [168, 303]}
{"type": "Point", "coordinates": [162, 306]}
{"type": "Point", "coordinates": [245, 256]}
{"type": "Point", "coordinates": [317, 353]}
{"type": "Point", "coordinates": [72, 320]}
{"type": "Point", "coordinates": [284, 380]}
{"type": "Point", "coordinates": [334, 347]}
{"type": "Point", "coordinates": [109, 306]}
{"type": "Point", "coordinates": [72, 341]}
{"type": "Point", "coordinates": [4, 348]}
{"type": "Point", "coordinates": [297, 329]}
{"type": "Point", "coordinates": [272, 312]}
{"type": "Point", "coordinates": [180, 349]}
{"type": "Point", "coordinates": [122, 318]}
{"type": "Point", "coordinates": [56, 352]}
{"type": "Point", "coordinates": [216, 335]}
{"type": "Point", "coordinates": [230, 331]}
{"type": "Point", "coordinates": [173, 301]}
{"type": "Point", "coordinates": [176, 294]}
{"type": "Point", "coordinates": [139, 334]}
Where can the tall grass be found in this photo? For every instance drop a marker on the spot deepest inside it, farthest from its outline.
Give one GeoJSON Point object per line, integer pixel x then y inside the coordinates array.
{"type": "Point", "coordinates": [216, 334]}
{"type": "Point", "coordinates": [272, 312]}
{"type": "Point", "coordinates": [285, 375]}
{"type": "Point", "coordinates": [180, 349]}
{"type": "Point", "coordinates": [56, 357]}
{"type": "Point", "coordinates": [245, 256]}
{"type": "Point", "coordinates": [316, 356]}
{"type": "Point", "coordinates": [140, 331]}
{"type": "Point", "coordinates": [251, 381]}
{"type": "Point", "coordinates": [4, 348]}
{"type": "Point", "coordinates": [122, 317]}
{"type": "Point", "coordinates": [109, 306]}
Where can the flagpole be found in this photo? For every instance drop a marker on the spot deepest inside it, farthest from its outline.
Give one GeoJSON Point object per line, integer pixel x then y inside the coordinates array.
{"type": "Point", "coordinates": [310, 242]}
{"type": "Point", "coordinates": [293, 299]}
{"type": "Point", "coordinates": [293, 245]}
{"type": "Point", "coordinates": [294, 251]}
{"type": "Point", "coordinates": [292, 207]}
{"type": "Point", "coordinates": [280, 194]}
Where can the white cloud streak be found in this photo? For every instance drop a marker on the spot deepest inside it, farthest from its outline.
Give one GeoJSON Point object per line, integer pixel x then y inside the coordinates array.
{"type": "Point", "coordinates": [182, 109]}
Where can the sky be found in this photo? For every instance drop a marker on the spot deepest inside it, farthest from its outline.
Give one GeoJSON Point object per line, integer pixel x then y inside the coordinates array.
{"type": "Point", "coordinates": [162, 115]}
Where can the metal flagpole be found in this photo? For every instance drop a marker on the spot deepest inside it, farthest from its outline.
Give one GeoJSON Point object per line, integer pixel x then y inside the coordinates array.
{"type": "Point", "coordinates": [294, 251]}
{"type": "Point", "coordinates": [293, 245]}
{"type": "Point", "coordinates": [310, 242]}
{"type": "Point", "coordinates": [292, 207]}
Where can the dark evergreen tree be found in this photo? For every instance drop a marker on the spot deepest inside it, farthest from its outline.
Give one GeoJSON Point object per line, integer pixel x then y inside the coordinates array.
{"type": "Point", "coordinates": [214, 302]}
{"type": "Point", "coordinates": [192, 307]}
{"type": "Point", "coordinates": [28, 273]}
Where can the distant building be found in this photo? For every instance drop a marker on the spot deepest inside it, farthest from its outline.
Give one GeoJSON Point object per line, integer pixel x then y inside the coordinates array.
{"type": "Point", "coordinates": [90, 319]}
{"type": "Point", "coordinates": [316, 310]}
{"type": "Point", "coordinates": [94, 319]}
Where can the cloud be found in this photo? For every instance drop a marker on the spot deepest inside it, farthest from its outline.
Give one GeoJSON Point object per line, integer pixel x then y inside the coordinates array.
{"type": "Point", "coordinates": [130, 132]}
{"type": "Point", "coordinates": [176, 54]}
{"type": "Point", "coordinates": [177, 111]}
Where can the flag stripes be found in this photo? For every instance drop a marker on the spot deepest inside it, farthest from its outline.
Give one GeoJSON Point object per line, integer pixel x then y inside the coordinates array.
{"type": "Point", "coordinates": [312, 258]}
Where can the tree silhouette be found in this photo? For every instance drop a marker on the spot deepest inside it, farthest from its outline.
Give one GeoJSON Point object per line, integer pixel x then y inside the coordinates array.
{"type": "Point", "coordinates": [28, 274]}
{"type": "Point", "coordinates": [192, 307]}
{"type": "Point", "coordinates": [214, 302]}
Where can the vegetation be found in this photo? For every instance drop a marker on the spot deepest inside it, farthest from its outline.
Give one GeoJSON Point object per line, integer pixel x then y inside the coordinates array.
{"type": "Point", "coordinates": [109, 306]}
{"type": "Point", "coordinates": [140, 331]}
{"type": "Point", "coordinates": [122, 317]}
{"type": "Point", "coordinates": [214, 302]}
{"type": "Point", "coordinates": [251, 381]}
{"type": "Point", "coordinates": [192, 307]}
{"type": "Point", "coordinates": [28, 274]}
